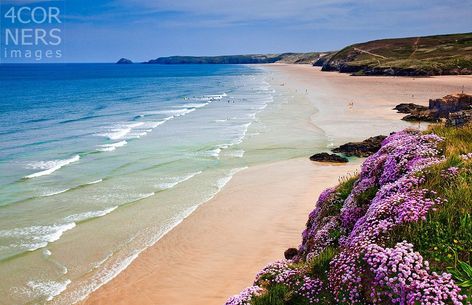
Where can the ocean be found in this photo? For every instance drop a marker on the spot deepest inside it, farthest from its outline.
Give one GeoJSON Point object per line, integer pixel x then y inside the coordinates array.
{"type": "Point", "coordinates": [99, 161]}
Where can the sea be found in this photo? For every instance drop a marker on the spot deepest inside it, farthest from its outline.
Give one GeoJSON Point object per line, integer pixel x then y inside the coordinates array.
{"type": "Point", "coordinates": [99, 161]}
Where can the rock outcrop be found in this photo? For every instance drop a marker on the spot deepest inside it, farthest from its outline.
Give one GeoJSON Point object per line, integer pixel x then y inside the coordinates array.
{"type": "Point", "coordinates": [409, 108]}
{"type": "Point", "coordinates": [459, 118]}
{"type": "Point", "coordinates": [422, 116]}
{"type": "Point", "coordinates": [331, 158]}
{"type": "Point", "coordinates": [124, 61]}
{"type": "Point", "coordinates": [361, 149]}
{"type": "Point", "coordinates": [438, 109]}
{"type": "Point", "coordinates": [451, 103]}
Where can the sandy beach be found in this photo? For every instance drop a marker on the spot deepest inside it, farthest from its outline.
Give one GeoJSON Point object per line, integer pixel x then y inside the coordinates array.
{"type": "Point", "coordinates": [217, 250]}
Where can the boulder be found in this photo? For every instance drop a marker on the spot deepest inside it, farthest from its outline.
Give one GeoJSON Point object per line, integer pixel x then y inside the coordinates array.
{"type": "Point", "coordinates": [325, 157]}
{"type": "Point", "coordinates": [361, 149]}
{"type": "Point", "coordinates": [429, 115]}
{"type": "Point", "coordinates": [409, 108]}
{"type": "Point", "coordinates": [459, 118]}
{"type": "Point", "coordinates": [290, 253]}
{"type": "Point", "coordinates": [451, 103]}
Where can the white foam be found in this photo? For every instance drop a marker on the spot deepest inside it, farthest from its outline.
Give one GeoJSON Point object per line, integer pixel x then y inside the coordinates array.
{"type": "Point", "coordinates": [49, 167]}
{"type": "Point", "coordinates": [236, 153]}
{"type": "Point", "coordinates": [94, 182]}
{"type": "Point", "coordinates": [173, 112]}
{"type": "Point", "coordinates": [144, 196]}
{"type": "Point", "coordinates": [49, 289]}
{"type": "Point", "coordinates": [112, 146]}
{"type": "Point", "coordinates": [119, 132]}
{"type": "Point", "coordinates": [215, 153]}
{"type": "Point", "coordinates": [193, 105]}
{"type": "Point", "coordinates": [89, 215]}
{"type": "Point", "coordinates": [244, 129]}
{"type": "Point", "coordinates": [177, 180]}
{"type": "Point", "coordinates": [54, 193]}
{"type": "Point", "coordinates": [36, 237]}
{"type": "Point", "coordinates": [105, 276]}
{"type": "Point", "coordinates": [223, 181]}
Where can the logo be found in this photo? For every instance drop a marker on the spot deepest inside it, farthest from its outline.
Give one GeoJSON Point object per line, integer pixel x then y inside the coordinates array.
{"type": "Point", "coordinates": [31, 33]}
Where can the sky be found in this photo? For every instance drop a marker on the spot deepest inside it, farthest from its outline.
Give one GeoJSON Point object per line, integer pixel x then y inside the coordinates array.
{"type": "Point", "coordinates": [106, 30]}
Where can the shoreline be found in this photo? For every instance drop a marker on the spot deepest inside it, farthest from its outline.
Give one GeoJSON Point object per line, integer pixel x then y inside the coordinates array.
{"type": "Point", "coordinates": [195, 262]}
{"type": "Point", "coordinates": [233, 239]}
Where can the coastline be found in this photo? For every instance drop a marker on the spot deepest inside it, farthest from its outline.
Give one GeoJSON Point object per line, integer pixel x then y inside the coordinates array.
{"type": "Point", "coordinates": [216, 251]}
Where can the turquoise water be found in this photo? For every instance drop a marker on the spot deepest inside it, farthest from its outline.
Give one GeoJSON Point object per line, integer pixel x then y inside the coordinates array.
{"type": "Point", "coordinates": [98, 161]}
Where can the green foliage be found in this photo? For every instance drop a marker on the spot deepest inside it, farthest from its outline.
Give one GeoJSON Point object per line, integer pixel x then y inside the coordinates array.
{"type": "Point", "coordinates": [278, 295]}
{"type": "Point", "coordinates": [343, 190]}
{"type": "Point", "coordinates": [462, 274]}
{"type": "Point", "coordinates": [345, 186]}
{"type": "Point", "coordinates": [364, 198]}
{"type": "Point", "coordinates": [319, 265]}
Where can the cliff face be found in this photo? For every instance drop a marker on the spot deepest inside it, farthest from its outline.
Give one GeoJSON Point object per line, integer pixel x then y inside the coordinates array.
{"type": "Point", "coordinates": [415, 56]}
{"type": "Point", "coordinates": [400, 232]}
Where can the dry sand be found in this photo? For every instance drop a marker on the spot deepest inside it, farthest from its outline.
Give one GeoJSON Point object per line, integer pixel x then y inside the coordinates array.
{"type": "Point", "coordinates": [217, 251]}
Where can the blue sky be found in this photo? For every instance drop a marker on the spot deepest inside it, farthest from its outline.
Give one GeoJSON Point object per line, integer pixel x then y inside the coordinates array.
{"type": "Point", "coordinates": [105, 30]}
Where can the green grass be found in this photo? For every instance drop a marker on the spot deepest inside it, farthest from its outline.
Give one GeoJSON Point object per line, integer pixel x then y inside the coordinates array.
{"type": "Point", "coordinates": [319, 265]}
{"type": "Point", "coordinates": [345, 186]}
{"type": "Point", "coordinates": [278, 295]}
{"type": "Point", "coordinates": [343, 190]}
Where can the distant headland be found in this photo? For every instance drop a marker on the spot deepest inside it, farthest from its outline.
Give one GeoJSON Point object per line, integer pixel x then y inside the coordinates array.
{"type": "Point", "coordinates": [413, 56]}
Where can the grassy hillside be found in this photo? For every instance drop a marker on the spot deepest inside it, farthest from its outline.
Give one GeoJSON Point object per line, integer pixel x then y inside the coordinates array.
{"type": "Point", "coordinates": [430, 55]}
{"type": "Point", "coordinates": [399, 232]}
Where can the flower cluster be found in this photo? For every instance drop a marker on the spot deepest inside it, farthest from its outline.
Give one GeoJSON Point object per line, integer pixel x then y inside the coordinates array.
{"type": "Point", "coordinates": [401, 154]}
{"type": "Point", "coordinates": [450, 172]}
{"type": "Point", "coordinates": [283, 273]}
{"type": "Point", "coordinates": [316, 236]}
{"type": "Point", "coordinates": [466, 157]}
{"type": "Point", "coordinates": [396, 170]}
{"type": "Point", "coordinates": [245, 296]}
{"type": "Point", "coordinates": [407, 277]}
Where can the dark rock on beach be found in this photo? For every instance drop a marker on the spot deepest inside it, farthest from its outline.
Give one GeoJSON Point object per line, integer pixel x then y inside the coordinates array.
{"type": "Point", "coordinates": [361, 149]}
{"type": "Point", "coordinates": [409, 108]}
{"type": "Point", "coordinates": [438, 109]}
{"type": "Point", "coordinates": [326, 157]}
{"type": "Point", "coordinates": [422, 116]}
{"type": "Point", "coordinates": [451, 103]}
{"type": "Point", "coordinates": [124, 61]}
{"type": "Point", "coordinates": [290, 253]}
